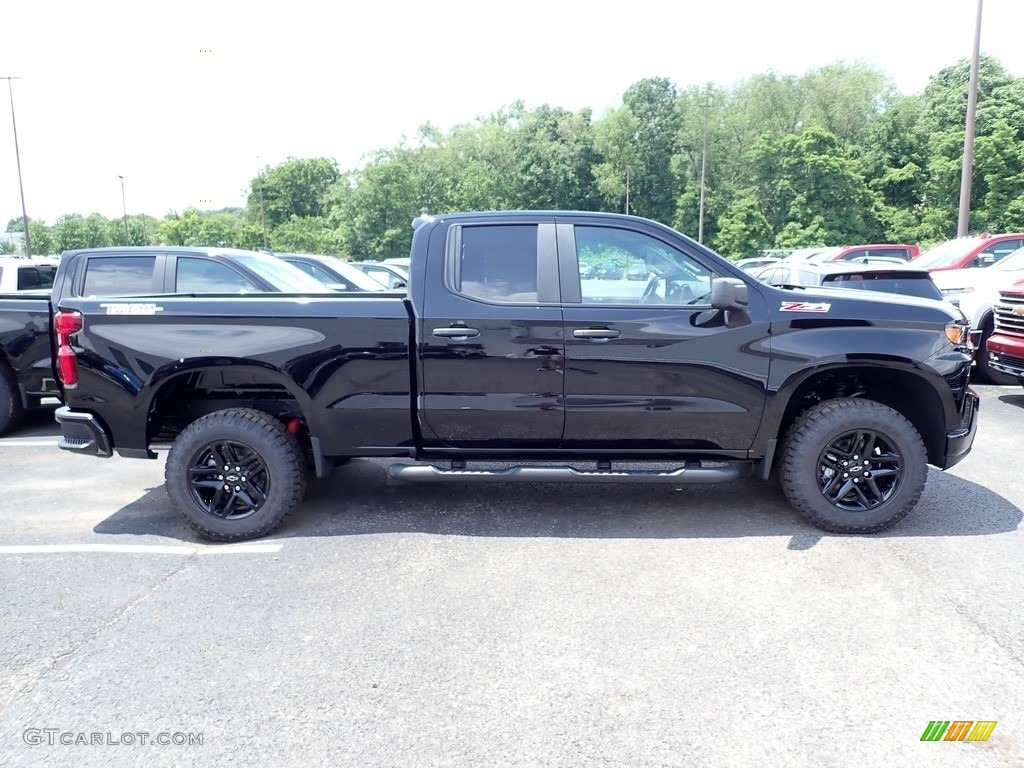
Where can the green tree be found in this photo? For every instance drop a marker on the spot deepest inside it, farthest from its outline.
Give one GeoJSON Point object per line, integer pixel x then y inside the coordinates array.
{"type": "Point", "coordinates": [742, 229]}
{"type": "Point", "coordinates": [41, 235]}
{"type": "Point", "coordinates": [96, 231]}
{"type": "Point", "coordinates": [296, 187]}
{"type": "Point", "coordinates": [220, 229]}
{"type": "Point", "coordinates": [615, 141]}
{"type": "Point", "coordinates": [654, 104]}
{"type": "Point", "coordinates": [181, 229]}
{"type": "Point", "coordinates": [821, 190]}
{"type": "Point", "coordinates": [309, 234]}
{"type": "Point", "coordinates": [69, 232]}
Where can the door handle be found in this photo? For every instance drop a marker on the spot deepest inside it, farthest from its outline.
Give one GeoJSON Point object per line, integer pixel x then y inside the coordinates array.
{"type": "Point", "coordinates": [456, 332]}
{"type": "Point", "coordinates": [596, 334]}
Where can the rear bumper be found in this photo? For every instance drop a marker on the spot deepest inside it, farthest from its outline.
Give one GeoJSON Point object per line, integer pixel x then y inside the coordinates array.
{"type": "Point", "coordinates": [960, 440]}
{"type": "Point", "coordinates": [81, 432]}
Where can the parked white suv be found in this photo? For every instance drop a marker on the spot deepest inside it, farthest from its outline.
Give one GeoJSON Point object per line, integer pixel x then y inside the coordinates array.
{"type": "Point", "coordinates": [26, 274]}
{"type": "Point", "coordinates": [976, 292]}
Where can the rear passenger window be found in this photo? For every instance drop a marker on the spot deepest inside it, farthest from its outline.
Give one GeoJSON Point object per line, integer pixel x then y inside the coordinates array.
{"type": "Point", "coordinates": [120, 274]}
{"type": "Point", "coordinates": [32, 278]}
{"type": "Point", "coordinates": [206, 276]}
{"type": "Point", "coordinates": [498, 263]}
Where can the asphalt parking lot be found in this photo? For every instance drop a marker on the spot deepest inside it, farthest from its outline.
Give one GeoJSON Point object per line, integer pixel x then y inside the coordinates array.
{"type": "Point", "coordinates": [403, 625]}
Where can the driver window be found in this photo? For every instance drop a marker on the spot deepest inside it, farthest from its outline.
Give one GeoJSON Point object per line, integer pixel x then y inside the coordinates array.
{"type": "Point", "coordinates": [639, 269]}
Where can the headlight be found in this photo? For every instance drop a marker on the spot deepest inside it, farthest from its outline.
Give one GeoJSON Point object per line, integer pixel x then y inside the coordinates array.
{"type": "Point", "coordinates": [958, 333]}
{"type": "Point", "coordinates": [948, 292]}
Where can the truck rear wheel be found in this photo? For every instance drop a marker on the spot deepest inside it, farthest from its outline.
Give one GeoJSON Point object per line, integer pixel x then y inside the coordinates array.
{"type": "Point", "coordinates": [853, 466]}
{"type": "Point", "coordinates": [235, 474]}
{"type": "Point", "coordinates": [11, 409]}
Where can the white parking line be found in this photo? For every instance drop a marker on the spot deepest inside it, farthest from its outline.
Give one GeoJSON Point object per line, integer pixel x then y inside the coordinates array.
{"type": "Point", "coordinates": [143, 549]}
{"type": "Point", "coordinates": [26, 443]}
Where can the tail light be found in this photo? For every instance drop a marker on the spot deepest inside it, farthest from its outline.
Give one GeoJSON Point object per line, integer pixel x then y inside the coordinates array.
{"type": "Point", "coordinates": [64, 325]}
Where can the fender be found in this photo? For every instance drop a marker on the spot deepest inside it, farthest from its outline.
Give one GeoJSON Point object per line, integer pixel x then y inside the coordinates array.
{"type": "Point", "coordinates": [781, 397]}
{"type": "Point", "coordinates": [163, 376]}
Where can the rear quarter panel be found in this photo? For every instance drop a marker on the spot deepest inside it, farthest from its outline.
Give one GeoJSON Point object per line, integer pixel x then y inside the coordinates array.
{"type": "Point", "coordinates": [343, 358]}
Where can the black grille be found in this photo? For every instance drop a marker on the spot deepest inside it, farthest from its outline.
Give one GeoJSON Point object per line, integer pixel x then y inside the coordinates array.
{"type": "Point", "coordinates": [1012, 361]}
{"type": "Point", "coordinates": [958, 381]}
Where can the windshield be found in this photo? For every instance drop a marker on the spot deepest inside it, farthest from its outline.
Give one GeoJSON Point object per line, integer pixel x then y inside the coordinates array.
{"type": "Point", "coordinates": [354, 275]}
{"type": "Point", "coordinates": [281, 275]}
{"type": "Point", "coordinates": [949, 252]}
{"type": "Point", "coordinates": [826, 254]}
{"type": "Point", "coordinates": [1012, 263]}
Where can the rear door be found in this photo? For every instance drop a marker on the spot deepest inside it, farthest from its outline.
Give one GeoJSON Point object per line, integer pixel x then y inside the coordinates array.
{"type": "Point", "coordinates": [651, 365]}
{"type": "Point", "coordinates": [119, 274]}
{"type": "Point", "coordinates": [490, 336]}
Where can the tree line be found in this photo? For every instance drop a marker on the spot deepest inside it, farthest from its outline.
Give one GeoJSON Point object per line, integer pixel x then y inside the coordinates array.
{"type": "Point", "coordinates": [834, 156]}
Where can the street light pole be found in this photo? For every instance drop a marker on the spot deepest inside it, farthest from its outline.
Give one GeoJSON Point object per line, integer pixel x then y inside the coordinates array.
{"type": "Point", "coordinates": [17, 156]}
{"type": "Point", "coordinates": [972, 106]}
{"type": "Point", "coordinates": [263, 211]}
{"type": "Point", "coordinates": [124, 209]}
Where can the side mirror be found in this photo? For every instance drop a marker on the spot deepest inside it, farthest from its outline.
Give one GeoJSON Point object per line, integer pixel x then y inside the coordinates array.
{"type": "Point", "coordinates": [729, 293]}
{"type": "Point", "coordinates": [400, 284]}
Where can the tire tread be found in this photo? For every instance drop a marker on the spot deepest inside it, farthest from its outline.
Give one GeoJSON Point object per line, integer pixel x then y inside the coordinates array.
{"type": "Point", "coordinates": [793, 463]}
{"type": "Point", "coordinates": [283, 443]}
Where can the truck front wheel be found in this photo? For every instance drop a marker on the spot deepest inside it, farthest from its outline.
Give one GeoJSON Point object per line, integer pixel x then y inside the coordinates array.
{"type": "Point", "coordinates": [853, 466]}
{"type": "Point", "coordinates": [235, 474]}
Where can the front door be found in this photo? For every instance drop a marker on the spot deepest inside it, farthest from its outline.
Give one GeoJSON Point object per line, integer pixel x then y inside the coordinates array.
{"type": "Point", "coordinates": [650, 365]}
{"type": "Point", "coordinates": [490, 338]}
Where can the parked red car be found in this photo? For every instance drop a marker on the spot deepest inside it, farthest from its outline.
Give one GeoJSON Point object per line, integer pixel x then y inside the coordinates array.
{"type": "Point", "coordinates": [1006, 344]}
{"type": "Point", "coordinates": [859, 252]}
{"type": "Point", "coordinates": [970, 252]}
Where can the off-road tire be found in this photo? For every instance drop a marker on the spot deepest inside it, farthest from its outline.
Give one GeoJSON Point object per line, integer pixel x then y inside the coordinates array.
{"type": "Point", "coordinates": [805, 473]}
{"type": "Point", "coordinates": [267, 446]}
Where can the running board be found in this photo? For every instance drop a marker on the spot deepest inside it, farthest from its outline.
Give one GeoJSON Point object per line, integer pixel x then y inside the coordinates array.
{"type": "Point", "coordinates": [429, 474]}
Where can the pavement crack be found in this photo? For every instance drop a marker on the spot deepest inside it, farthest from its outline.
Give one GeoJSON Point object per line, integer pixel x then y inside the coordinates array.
{"type": "Point", "coordinates": [18, 687]}
{"type": "Point", "coordinates": [958, 607]}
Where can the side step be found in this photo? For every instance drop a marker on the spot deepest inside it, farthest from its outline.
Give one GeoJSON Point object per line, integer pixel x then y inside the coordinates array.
{"type": "Point", "coordinates": [693, 473]}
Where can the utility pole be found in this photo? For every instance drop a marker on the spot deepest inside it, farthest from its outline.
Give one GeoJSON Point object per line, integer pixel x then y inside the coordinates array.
{"type": "Point", "coordinates": [17, 157]}
{"type": "Point", "coordinates": [972, 106]}
{"type": "Point", "coordinates": [627, 189]}
{"type": "Point", "coordinates": [263, 211]}
{"type": "Point", "coordinates": [124, 208]}
{"type": "Point", "coordinates": [703, 167]}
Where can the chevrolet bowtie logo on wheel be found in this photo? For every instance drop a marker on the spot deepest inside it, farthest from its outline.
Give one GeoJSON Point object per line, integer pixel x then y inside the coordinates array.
{"type": "Point", "coordinates": [958, 730]}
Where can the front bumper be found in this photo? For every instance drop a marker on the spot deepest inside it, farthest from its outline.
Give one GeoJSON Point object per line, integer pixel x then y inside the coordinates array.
{"type": "Point", "coordinates": [1006, 354]}
{"type": "Point", "coordinates": [83, 433]}
{"type": "Point", "coordinates": [960, 440]}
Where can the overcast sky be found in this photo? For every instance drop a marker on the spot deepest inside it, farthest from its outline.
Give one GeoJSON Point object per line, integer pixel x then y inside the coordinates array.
{"type": "Point", "coordinates": [187, 99]}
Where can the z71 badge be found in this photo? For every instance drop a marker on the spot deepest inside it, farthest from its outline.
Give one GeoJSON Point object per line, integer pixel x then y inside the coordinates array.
{"type": "Point", "coordinates": [804, 306]}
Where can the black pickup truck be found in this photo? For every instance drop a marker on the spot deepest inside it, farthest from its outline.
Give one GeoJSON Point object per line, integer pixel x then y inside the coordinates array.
{"type": "Point", "coordinates": [499, 353]}
{"type": "Point", "coordinates": [26, 357]}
